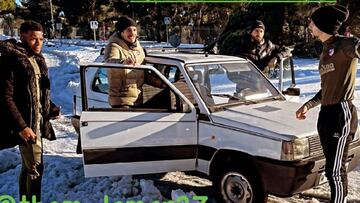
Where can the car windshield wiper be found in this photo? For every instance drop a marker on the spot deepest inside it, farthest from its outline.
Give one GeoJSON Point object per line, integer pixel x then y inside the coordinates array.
{"type": "Point", "coordinates": [263, 99]}
{"type": "Point", "coordinates": [278, 97]}
{"type": "Point", "coordinates": [227, 96]}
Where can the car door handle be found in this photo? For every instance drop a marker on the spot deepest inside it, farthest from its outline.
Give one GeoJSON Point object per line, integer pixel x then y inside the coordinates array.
{"type": "Point", "coordinates": [84, 124]}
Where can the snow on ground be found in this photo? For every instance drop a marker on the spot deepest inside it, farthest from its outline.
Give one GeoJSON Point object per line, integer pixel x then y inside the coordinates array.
{"type": "Point", "coordinates": [64, 178]}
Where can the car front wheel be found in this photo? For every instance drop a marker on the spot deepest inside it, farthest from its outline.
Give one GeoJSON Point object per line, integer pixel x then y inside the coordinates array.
{"type": "Point", "coordinates": [236, 186]}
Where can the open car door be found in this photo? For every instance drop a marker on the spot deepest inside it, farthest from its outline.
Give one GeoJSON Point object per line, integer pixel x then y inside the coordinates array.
{"type": "Point", "coordinates": [283, 76]}
{"type": "Point", "coordinates": [159, 135]}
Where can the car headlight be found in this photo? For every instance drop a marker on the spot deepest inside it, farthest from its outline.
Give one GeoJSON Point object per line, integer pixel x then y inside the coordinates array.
{"type": "Point", "coordinates": [296, 149]}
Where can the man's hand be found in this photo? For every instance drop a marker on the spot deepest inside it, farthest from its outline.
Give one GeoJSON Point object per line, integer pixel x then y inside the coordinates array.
{"type": "Point", "coordinates": [300, 113]}
{"type": "Point", "coordinates": [272, 63]}
{"type": "Point", "coordinates": [27, 134]}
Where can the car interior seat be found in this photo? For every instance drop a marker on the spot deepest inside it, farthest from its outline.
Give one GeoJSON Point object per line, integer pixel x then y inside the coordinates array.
{"type": "Point", "coordinates": [205, 92]}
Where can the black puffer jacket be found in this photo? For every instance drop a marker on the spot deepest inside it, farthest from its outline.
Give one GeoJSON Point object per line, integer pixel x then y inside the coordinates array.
{"type": "Point", "coordinates": [260, 54]}
{"type": "Point", "coordinates": [18, 93]}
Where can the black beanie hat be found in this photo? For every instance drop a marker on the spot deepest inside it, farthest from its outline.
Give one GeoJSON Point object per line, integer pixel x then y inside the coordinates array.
{"type": "Point", "coordinates": [123, 23]}
{"type": "Point", "coordinates": [329, 18]}
{"type": "Point", "coordinates": [256, 24]}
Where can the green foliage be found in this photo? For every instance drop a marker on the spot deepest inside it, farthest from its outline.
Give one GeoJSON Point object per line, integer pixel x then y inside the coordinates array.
{"type": "Point", "coordinates": [284, 24]}
{"type": "Point", "coordinates": [89, 9]}
{"type": "Point", "coordinates": [38, 10]}
{"type": "Point", "coordinates": [310, 49]}
{"type": "Point", "coordinates": [271, 14]}
{"type": "Point", "coordinates": [224, 23]}
{"type": "Point", "coordinates": [7, 6]}
{"type": "Point", "coordinates": [354, 19]}
{"type": "Point", "coordinates": [230, 41]}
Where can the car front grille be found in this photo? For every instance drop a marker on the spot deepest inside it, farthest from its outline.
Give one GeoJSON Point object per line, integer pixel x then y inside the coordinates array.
{"type": "Point", "coordinates": [315, 146]}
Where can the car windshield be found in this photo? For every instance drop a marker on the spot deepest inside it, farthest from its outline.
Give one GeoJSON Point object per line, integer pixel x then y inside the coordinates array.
{"type": "Point", "coordinates": [225, 83]}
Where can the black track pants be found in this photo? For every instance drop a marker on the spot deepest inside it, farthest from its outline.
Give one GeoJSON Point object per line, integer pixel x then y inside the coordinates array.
{"type": "Point", "coordinates": [337, 125]}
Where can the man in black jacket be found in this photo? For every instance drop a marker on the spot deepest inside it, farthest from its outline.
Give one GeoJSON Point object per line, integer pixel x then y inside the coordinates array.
{"type": "Point", "coordinates": [262, 52]}
{"type": "Point", "coordinates": [25, 105]}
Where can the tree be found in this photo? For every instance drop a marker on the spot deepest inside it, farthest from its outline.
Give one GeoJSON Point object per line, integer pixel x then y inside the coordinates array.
{"type": "Point", "coordinates": [284, 24]}
{"type": "Point", "coordinates": [353, 21]}
{"type": "Point", "coordinates": [38, 10]}
{"type": "Point", "coordinates": [7, 6]}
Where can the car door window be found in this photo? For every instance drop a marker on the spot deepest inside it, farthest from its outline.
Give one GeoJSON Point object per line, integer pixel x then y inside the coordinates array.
{"type": "Point", "coordinates": [174, 75]}
{"type": "Point", "coordinates": [144, 89]}
{"type": "Point", "coordinates": [100, 82]}
{"type": "Point", "coordinates": [171, 73]}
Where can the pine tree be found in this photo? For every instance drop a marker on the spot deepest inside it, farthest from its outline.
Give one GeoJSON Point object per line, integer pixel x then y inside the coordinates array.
{"type": "Point", "coordinates": [38, 10]}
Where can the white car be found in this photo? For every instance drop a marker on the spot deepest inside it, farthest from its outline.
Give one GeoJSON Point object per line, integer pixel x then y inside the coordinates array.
{"type": "Point", "coordinates": [217, 114]}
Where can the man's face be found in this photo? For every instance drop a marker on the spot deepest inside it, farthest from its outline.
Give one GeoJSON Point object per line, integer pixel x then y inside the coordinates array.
{"type": "Point", "coordinates": [34, 39]}
{"type": "Point", "coordinates": [315, 32]}
{"type": "Point", "coordinates": [130, 34]}
{"type": "Point", "coordinates": [257, 35]}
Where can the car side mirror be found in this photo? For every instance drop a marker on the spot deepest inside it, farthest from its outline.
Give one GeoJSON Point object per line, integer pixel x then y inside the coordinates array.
{"type": "Point", "coordinates": [292, 91]}
{"type": "Point", "coordinates": [185, 108]}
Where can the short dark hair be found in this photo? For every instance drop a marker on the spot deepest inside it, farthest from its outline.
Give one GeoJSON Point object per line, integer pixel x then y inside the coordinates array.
{"type": "Point", "coordinates": [30, 25]}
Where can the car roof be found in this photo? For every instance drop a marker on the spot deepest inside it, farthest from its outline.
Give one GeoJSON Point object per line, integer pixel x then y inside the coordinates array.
{"type": "Point", "coordinates": [194, 57]}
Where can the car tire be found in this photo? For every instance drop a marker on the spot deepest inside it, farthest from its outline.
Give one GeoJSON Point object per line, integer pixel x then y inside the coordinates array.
{"type": "Point", "coordinates": [235, 185]}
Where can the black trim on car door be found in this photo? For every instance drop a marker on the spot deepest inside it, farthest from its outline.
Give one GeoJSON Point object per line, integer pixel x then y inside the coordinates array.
{"type": "Point", "coordinates": [143, 154]}
{"type": "Point", "coordinates": [138, 154]}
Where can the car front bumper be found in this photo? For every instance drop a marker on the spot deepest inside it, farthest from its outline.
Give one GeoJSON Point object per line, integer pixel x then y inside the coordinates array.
{"type": "Point", "coordinates": [288, 178]}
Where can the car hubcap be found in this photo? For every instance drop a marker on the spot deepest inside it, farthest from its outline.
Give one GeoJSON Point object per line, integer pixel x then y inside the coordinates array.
{"type": "Point", "coordinates": [235, 188]}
